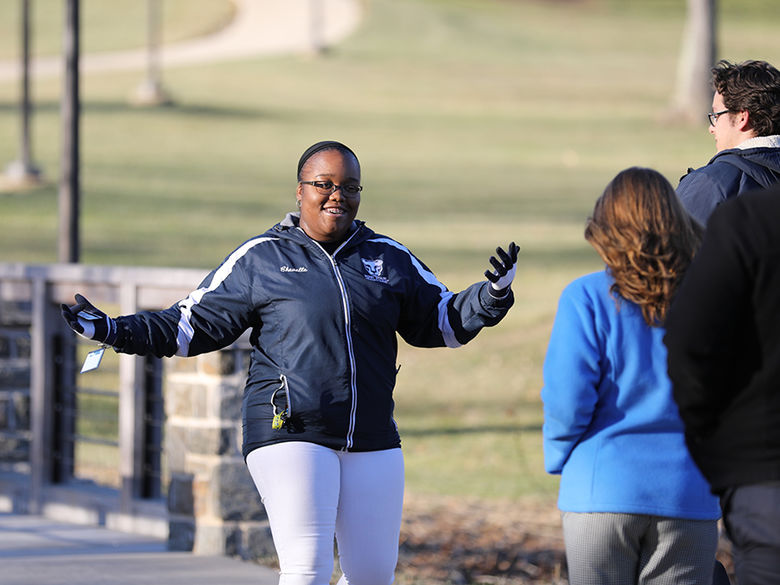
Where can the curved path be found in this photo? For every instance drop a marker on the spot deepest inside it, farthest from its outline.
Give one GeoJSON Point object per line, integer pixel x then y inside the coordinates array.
{"type": "Point", "coordinates": [260, 27]}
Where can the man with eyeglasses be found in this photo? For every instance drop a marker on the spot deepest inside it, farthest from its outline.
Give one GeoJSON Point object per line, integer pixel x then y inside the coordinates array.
{"type": "Point", "coordinates": [745, 121]}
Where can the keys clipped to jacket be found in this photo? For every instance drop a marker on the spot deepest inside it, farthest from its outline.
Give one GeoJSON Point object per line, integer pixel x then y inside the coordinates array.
{"type": "Point", "coordinates": [279, 419]}
{"type": "Point", "coordinates": [280, 416]}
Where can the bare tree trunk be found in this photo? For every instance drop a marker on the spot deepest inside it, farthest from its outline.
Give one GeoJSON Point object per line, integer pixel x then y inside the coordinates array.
{"type": "Point", "coordinates": [68, 243]}
{"type": "Point", "coordinates": [693, 95]}
{"type": "Point", "coordinates": [316, 26]}
{"type": "Point", "coordinates": [23, 170]}
{"type": "Point", "coordinates": [25, 146]}
{"type": "Point", "coordinates": [151, 92]}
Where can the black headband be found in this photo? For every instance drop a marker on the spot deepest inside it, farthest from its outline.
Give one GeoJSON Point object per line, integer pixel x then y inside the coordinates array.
{"type": "Point", "coordinates": [320, 146]}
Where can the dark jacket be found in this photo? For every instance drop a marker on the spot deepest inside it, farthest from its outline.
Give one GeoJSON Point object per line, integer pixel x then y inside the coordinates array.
{"type": "Point", "coordinates": [729, 173]}
{"type": "Point", "coordinates": [323, 331]}
{"type": "Point", "coordinates": [723, 341]}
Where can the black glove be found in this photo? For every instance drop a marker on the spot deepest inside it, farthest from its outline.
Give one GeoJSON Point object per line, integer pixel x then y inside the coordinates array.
{"type": "Point", "coordinates": [90, 322]}
{"type": "Point", "coordinates": [505, 269]}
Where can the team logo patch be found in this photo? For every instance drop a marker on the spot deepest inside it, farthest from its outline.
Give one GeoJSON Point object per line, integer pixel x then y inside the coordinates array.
{"type": "Point", "coordinates": [374, 269]}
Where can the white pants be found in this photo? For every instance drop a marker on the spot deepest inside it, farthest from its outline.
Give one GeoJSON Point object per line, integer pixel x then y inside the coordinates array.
{"type": "Point", "coordinates": [311, 492]}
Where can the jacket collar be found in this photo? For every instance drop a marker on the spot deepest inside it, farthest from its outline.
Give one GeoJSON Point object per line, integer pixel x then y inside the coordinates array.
{"type": "Point", "coordinates": [292, 220]}
{"type": "Point", "coordinates": [761, 142]}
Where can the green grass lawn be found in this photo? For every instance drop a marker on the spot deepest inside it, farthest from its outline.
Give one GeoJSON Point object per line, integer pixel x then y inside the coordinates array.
{"type": "Point", "coordinates": [476, 122]}
{"type": "Point", "coordinates": [108, 26]}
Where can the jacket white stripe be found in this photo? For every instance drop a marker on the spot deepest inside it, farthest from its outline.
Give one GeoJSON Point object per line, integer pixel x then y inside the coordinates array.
{"type": "Point", "coordinates": [186, 330]}
{"type": "Point", "coordinates": [444, 323]}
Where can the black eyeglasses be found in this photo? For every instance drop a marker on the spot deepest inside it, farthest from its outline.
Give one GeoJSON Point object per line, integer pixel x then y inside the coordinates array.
{"type": "Point", "coordinates": [329, 187]}
{"type": "Point", "coordinates": [713, 116]}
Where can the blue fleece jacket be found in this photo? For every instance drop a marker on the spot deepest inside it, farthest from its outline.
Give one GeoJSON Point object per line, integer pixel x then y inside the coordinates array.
{"type": "Point", "coordinates": [611, 427]}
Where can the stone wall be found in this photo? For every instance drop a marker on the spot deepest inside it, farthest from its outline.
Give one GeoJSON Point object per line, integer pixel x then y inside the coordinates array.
{"type": "Point", "coordinates": [213, 505]}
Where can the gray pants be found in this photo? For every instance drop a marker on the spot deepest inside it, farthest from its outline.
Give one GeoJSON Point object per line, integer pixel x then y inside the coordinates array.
{"type": "Point", "coordinates": [751, 514]}
{"type": "Point", "coordinates": [627, 549]}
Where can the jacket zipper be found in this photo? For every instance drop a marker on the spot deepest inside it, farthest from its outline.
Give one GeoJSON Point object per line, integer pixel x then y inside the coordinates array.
{"type": "Point", "coordinates": [348, 334]}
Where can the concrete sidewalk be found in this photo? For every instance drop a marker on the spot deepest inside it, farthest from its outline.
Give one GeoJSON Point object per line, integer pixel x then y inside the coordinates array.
{"type": "Point", "coordinates": [260, 27]}
{"type": "Point", "coordinates": [38, 551]}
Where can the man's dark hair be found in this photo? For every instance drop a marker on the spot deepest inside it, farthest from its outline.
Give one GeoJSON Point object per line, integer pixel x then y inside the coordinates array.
{"type": "Point", "coordinates": [753, 86]}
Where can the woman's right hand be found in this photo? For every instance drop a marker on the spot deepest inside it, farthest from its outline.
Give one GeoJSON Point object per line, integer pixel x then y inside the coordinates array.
{"type": "Point", "coordinates": [90, 322]}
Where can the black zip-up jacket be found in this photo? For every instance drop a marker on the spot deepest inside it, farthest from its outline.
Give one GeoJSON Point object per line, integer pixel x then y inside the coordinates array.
{"type": "Point", "coordinates": [723, 341]}
{"type": "Point", "coordinates": [323, 331]}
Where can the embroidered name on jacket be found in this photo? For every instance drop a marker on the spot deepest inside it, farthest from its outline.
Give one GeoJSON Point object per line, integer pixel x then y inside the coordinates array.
{"type": "Point", "coordinates": [374, 269]}
{"type": "Point", "coordinates": [291, 269]}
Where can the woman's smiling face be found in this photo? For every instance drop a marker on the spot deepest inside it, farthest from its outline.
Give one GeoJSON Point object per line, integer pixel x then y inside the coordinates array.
{"type": "Point", "coordinates": [328, 218]}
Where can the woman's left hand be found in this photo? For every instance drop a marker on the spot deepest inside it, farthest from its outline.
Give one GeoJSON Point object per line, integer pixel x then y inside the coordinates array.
{"type": "Point", "coordinates": [504, 269]}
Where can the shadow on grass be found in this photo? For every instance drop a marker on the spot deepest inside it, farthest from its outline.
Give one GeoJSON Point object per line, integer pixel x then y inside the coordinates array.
{"type": "Point", "coordinates": [497, 429]}
{"type": "Point", "coordinates": [556, 256]}
{"type": "Point", "coordinates": [175, 109]}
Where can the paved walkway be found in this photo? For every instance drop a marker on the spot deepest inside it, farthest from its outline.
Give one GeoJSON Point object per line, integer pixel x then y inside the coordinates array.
{"type": "Point", "coordinates": [38, 551]}
{"type": "Point", "coordinates": [260, 27]}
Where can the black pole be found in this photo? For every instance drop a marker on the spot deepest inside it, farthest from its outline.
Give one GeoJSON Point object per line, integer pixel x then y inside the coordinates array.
{"type": "Point", "coordinates": [69, 179]}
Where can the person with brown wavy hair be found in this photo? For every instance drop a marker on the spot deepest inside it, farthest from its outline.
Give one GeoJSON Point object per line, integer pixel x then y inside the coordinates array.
{"type": "Point", "coordinates": [644, 236]}
{"type": "Point", "coordinates": [635, 508]}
